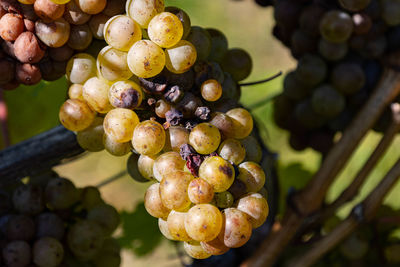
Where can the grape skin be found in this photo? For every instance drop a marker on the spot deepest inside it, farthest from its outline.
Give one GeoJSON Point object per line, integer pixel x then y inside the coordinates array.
{"type": "Point", "coordinates": [200, 191]}
{"type": "Point", "coordinates": [252, 175]}
{"type": "Point", "coordinates": [54, 34]}
{"type": "Point", "coordinates": [121, 32]}
{"type": "Point", "coordinates": [167, 162]}
{"type": "Point", "coordinates": [120, 123]}
{"type": "Point", "coordinates": [255, 206]}
{"type": "Point", "coordinates": [217, 172]}
{"type": "Point", "coordinates": [47, 251]}
{"type": "Point", "coordinates": [145, 165]}
{"type": "Point", "coordinates": [232, 150]}
{"type": "Point", "coordinates": [237, 228]}
{"type": "Point", "coordinates": [195, 250]}
{"type": "Point", "coordinates": [115, 148]}
{"type": "Point", "coordinates": [125, 94]}
{"type": "Point", "coordinates": [242, 122]}
{"type": "Point", "coordinates": [153, 203]}
{"type": "Point", "coordinates": [112, 65]}
{"type": "Point", "coordinates": [74, 15]}
{"type": "Point", "coordinates": [95, 93]}
{"type": "Point", "coordinates": [163, 226]}
{"type": "Point", "coordinates": [180, 57]}
{"type": "Point", "coordinates": [205, 138]}
{"type": "Point", "coordinates": [144, 10]}
{"type": "Point", "coordinates": [81, 68]}
{"type": "Point", "coordinates": [176, 136]}
{"type": "Point", "coordinates": [91, 138]}
{"type": "Point", "coordinates": [165, 29]}
{"type": "Point", "coordinates": [132, 166]}
{"type": "Point", "coordinates": [211, 90]}
{"type": "Point", "coordinates": [176, 226]}
{"type": "Point", "coordinates": [76, 115]}
{"type": "Point", "coordinates": [148, 138]}
{"type": "Point", "coordinates": [173, 190]}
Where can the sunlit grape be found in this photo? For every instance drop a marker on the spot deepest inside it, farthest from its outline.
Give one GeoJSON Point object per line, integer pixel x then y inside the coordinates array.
{"type": "Point", "coordinates": [195, 250]}
{"type": "Point", "coordinates": [125, 94]}
{"type": "Point", "coordinates": [180, 57]}
{"type": "Point", "coordinates": [203, 222]}
{"type": "Point", "coordinates": [76, 115]}
{"type": "Point", "coordinates": [176, 136]}
{"type": "Point", "coordinates": [75, 91]}
{"type": "Point", "coordinates": [112, 64]}
{"type": "Point", "coordinates": [121, 32]}
{"type": "Point", "coordinates": [167, 162]}
{"type": "Point", "coordinates": [232, 150]}
{"type": "Point", "coordinates": [95, 93]}
{"type": "Point", "coordinates": [174, 190]}
{"type": "Point", "coordinates": [80, 68]}
{"type": "Point", "coordinates": [217, 172]}
{"type": "Point", "coordinates": [183, 17]}
{"type": "Point", "coordinates": [224, 199]}
{"type": "Point", "coordinates": [255, 206]}
{"type": "Point", "coordinates": [90, 6]}
{"type": "Point", "coordinates": [176, 226]}
{"type": "Point", "coordinates": [154, 204]}
{"type": "Point", "coordinates": [237, 228]}
{"type": "Point", "coordinates": [119, 123]}
{"type": "Point", "coordinates": [224, 123]}
{"type": "Point", "coordinates": [200, 191]}
{"type": "Point", "coordinates": [205, 138]}
{"type": "Point", "coordinates": [53, 34]}
{"type": "Point", "coordinates": [242, 122]}
{"type": "Point", "coordinates": [163, 226]}
{"type": "Point", "coordinates": [252, 175]}
{"type": "Point", "coordinates": [211, 90]}
{"type": "Point", "coordinates": [165, 29]}
{"type": "Point", "coordinates": [148, 137]}
{"type": "Point", "coordinates": [217, 245]}
{"type": "Point", "coordinates": [142, 11]}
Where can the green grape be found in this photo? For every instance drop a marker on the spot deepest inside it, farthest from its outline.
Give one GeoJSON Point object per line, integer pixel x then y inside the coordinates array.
{"type": "Point", "coordinates": [161, 108]}
{"type": "Point", "coordinates": [242, 122]}
{"type": "Point", "coordinates": [76, 115]}
{"type": "Point", "coordinates": [224, 200]}
{"type": "Point", "coordinates": [307, 117]}
{"type": "Point", "coordinates": [116, 148]}
{"type": "Point", "coordinates": [114, 8]}
{"type": "Point", "coordinates": [183, 17]}
{"type": "Point", "coordinates": [332, 51]}
{"type": "Point", "coordinates": [74, 15]}
{"type": "Point", "coordinates": [252, 148]}
{"type": "Point", "coordinates": [125, 94]}
{"type": "Point", "coordinates": [354, 5]}
{"type": "Point", "coordinates": [217, 245]}
{"type": "Point", "coordinates": [390, 12]}
{"type": "Point", "coordinates": [238, 63]}
{"type": "Point", "coordinates": [61, 193]}
{"type": "Point", "coordinates": [165, 29]}
{"type": "Point", "coordinates": [232, 150]}
{"type": "Point", "coordinates": [106, 216]}
{"type": "Point", "coordinates": [237, 228]}
{"type": "Point", "coordinates": [148, 138]}
{"type": "Point", "coordinates": [95, 93]}
{"type": "Point", "coordinates": [211, 90]}
{"type": "Point", "coordinates": [327, 101]}
{"type": "Point", "coordinates": [90, 197]}
{"type": "Point", "coordinates": [133, 169]}
{"type": "Point", "coordinates": [119, 124]}
{"type": "Point", "coordinates": [163, 226]}
{"type": "Point", "coordinates": [75, 91]}
{"type": "Point", "coordinates": [121, 32]}
{"type": "Point", "coordinates": [154, 204]}
{"type": "Point", "coordinates": [97, 24]}
{"type": "Point", "coordinates": [19, 227]}
{"type": "Point", "coordinates": [219, 45]}
{"type": "Point", "coordinates": [80, 37]}
{"type": "Point", "coordinates": [294, 88]}
{"type": "Point", "coordinates": [146, 59]}
{"type": "Point", "coordinates": [224, 123]}
{"type": "Point", "coordinates": [91, 138]}
{"type": "Point", "coordinates": [252, 175]}
{"type": "Point", "coordinates": [145, 165]}
{"type": "Point", "coordinates": [173, 190]}
{"type": "Point", "coordinates": [255, 206]}
{"type": "Point", "coordinates": [348, 78]}
{"type": "Point", "coordinates": [180, 57]}
{"type": "Point", "coordinates": [201, 40]}
{"type": "Point", "coordinates": [49, 225]}
{"type": "Point", "coordinates": [85, 239]}
{"type": "Point", "coordinates": [200, 191]}
{"type": "Point", "coordinates": [28, 199]}
{"type": "Point", "coordinates": [311, 70]}
{"type": "Point", "coordinates": [47, 251]}
{"type": "Point", "coordinates": [195, 250]}
{"type": "Point", "coordinates": [176, 136]}
{"type": "Point", "coordinates": [217, 172]}
{"type": "Point", "coordinates": [176, 226]}
{"type": "Point", "coordinates": [336, 26]}
{"type": "Point", "coordinates": [167, 162]}
{"type": "Point", "coordinates": [203, 222]}
{"type": "Point", "coordinates": [81, 68]}
{"type": "Point", "coordinates": [142, 11]}
{"type": "Point", "coordinates": [17, 253]}
{"type": "Point", "coordinates": [90, 6]}
{"type": "Point", "coordinates": [53, 34]}
{"type": "Point", "coordinates": [205, 138]}
{"type": "Point", "coordinates": [112, 64]}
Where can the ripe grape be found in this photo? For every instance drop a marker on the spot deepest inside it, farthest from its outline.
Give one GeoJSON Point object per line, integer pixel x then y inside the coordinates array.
{"type": "Point", "coordinates": [163, 226]}
{"type": "Point", "coordinates": [76, 115]}
{"type": "Point", "coordinates": [80, 37]}
{"type": "Point", "coordinates": [205, 138]}
{"type": "Point", "coordinates": [20, 227]}
{"type": "Point", "coordinates": [176, 226]}
{"type": "Point", "coordinates": [95, 93]}
{"type": "Point", "coordinates": [348, 78]}
{"type": "Point", "coordinates": [115, 148]}
{"type": "Point", "coordinates": [106, 216]}
{"type": "Point", "coordinates": [91, 138]}
{"type": "Point", "coordinates": [125, 94]}
{"type": "Point", "coordinates": [174, 190]}
{"type": "Point", "coordinates": [145, 165]}
{"type": "Point", "coordinates": [237, 229]}
{"type": "Point", "coordinates": [211, 90]}
{"type": "Point", "coordinates": [154, 204]}
{"type": "Point", "coordinates": [180, 57]}
{"type": "Point", "coordinates": [242, 122]}
{"type": "Point", "coordinates": [328, 102]}
{"type": "Point", "coordinates": [48, 10]}
{"type": "Point", "coordinates": [217, 172]}
{"type": "Point", "coordinates": [224, 199]}
{"type": "Point", "coordinates": [183, 17]}
{"type": "Point", "coordinates": [81, 68]}
{"type": "Point", "coordinates": [47, 251]}
{"type": "Point", "coordinates": [176, 136]}
{"type": "Point", "coordinates": [165, 29]}
{"type": "Point", "coordinates": [121, 32]}
{"type": "Point", "coordinates": [255, 206]}
{"type": "Point", "coordinates": [252, 148]}
{"type": "Point", "coordinates": [11, 26]}
{"type": "Point", "coordinates": [53, 34]}
{"type": "Point", "coordinates": [336, 26]}
{"type": "Point", "coordinates": [112, 64]}
{"type": "Point", "coordinates": [97, 24]}
{"type": "Point", "coordinates": [195, 250]}
{"type": "Point", "coordinates": [28, 199]}
{"type": "Point", "coordinates": [201, 40]}
{"type": "Point", "coordinates": [167, 162]}
{"type": "Point", "coordinates": [61, 193]}
{"type": "Point", "coordinates": [232, 150]}
{"type": "Point", "coordinates": [27, 48]}
{"type": "Point", "coordinates": [161, 108]}
{"type": "Point", "coordinates": [146, 59]}
{"type": "Point", "coordinates": [74, 15]}
{"type": "Point", "coordinates": [252, 175]}
{"type": "Point", "coordinates": [142, 11]}
{"type": "Point", "coordinates": [148, 138]}
{"type": "Point", "coordinates": [90, 6]}
{"type": "Point", "coordinates": [238, 63]}
{"type": "Point", "coordinates": [354, 5]}
{"type": "Point", "coordinates": [49, 225]}
{"type": "Point", "coordinates": [17, 253]}
{"type": "Point", "coordinates": [217, 245]}
{"type": "Point", "coordinates": [119, 124]}
{"type": "Point", "coordinates": [224, 123]}
{"type": "Point", "coordinates": [200, 191]}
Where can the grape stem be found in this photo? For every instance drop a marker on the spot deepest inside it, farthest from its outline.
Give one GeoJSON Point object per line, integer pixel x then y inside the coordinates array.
{"type": "Point", "coordinates": [4, 121]}
{"type": "Point", "coordinates": [262, 81]}
{"type": "Point", "coordinates": [112, 179]}
{"type": "Point", "coordinates": [310, 199]}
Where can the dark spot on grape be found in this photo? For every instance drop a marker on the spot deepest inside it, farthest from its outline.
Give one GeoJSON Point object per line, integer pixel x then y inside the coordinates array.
{"type": "Point", "coordinates": [226, 170]}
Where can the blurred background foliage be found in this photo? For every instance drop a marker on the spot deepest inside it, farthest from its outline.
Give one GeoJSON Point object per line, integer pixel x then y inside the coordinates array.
{"type": "Point", "coordinates": [35, 109]}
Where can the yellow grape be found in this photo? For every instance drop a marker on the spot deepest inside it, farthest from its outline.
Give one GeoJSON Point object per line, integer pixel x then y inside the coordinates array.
{"type": "Point", "coordinates": [255, 206]}
{"type": "Point", "coordinates": [116, 148]}
{"type": "Point", "coordinates": [162, 107]}
{"type": "Point", "coordinates": [60, 2]}
{"type": "Point", "coordinates": [176, 226]}
{"type": "Point", "coordinates": [119, 123]}
{"type": "Point", "coordinates": [112, 64]}
{"type": "Point", "coordinates": [95, 93]}
{"type": "Point", "coordinates": [232, 150]}
{"type": "Point", "coordinates": [211, 90]}
{"type": "Point", "coordinates": [91, 138]}
{"type": "Point", "coordinates": [237, 228]}
{"type": "Point", "coordinates": [53, 34]}
{"type": "Point", "coordinates": [217, 245]}
{"type": "Point", "coordinates": [195, 250]}
{"type": "Point", "coordinates": [200, 191]}
{"type": "Point", "coordinates": [81, 68]}
{"type": "Point", "coordinates": [180, 57]}
{"type": "Point", "coordinates": [143, 11]}
{"type": "Point", "coordinates": [145, 165]}
{"type": "Point", "coordinates": [76, 115]}
{"type": "Point", "coordinates": [90, 6]}
{"type": "Point", "coordinates": [176, 136]}
{"type": "Point", "coordinates": [153, 203]}
{"type": "Point", "coordinates": [167, 162]}
{"type": "Point", "coordinates": [252, 175]}
{"type": "Point", "coordinates": [224, 123]}
{"type": "Point", "coordinates": [125, 94]}
{"type": "Point", "coordinates": [165, 29]}
{"type": "Point", "coordinates": [133, 168]}
{"type": "Point", "coordinates": [173, 190]}
{"type": "Point", "coordinates": [121, 32]}
{"type": "Point", "coordinates": [205, 138]}
{"type": "Point", "coordinates": [148, 138]}
{"type": "Point", "coordinates": [243, 122]}
{"type": "Point", "coordinates": [217, 172]}
{"type": "Point", "coordinates": [203, 222]}
{"type": "Point", "coordinates": [75, 91]}
{"type": "Point", "coordinates": [30, 2]}
{"type": "Point", "coordinates": [163, 226]}
{"type": "Point", "coordinates": [146, 59]}
{"type": "Point", "coordinates": [253, 149]}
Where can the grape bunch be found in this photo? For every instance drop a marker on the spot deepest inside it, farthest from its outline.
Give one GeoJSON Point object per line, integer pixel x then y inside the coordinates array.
{"type": "Point", "coordinates": [341, 46]}
{"type": "Point", "coordinates": [48, 222]}
{"type": "Point", "coordinates": [38, 37]}
{"type": "Point", "coordinates": [168, 92]}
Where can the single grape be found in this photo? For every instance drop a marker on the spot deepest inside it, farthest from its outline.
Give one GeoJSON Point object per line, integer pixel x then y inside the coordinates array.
{"type": "Point", "coordinates": [224, 123]}
{"type": "Point", "coordinates": [167, 162]}
{"type": "Point", "coordinates": [125, 94]}
{"type": "Point", "coordinates": [180, 57]}
{"type": "Point", "coordinates": [219, 45]}
{"type": "Point", "coordinates": [76, 115]}
{"type": "Point", "coordinates": [48, 11]}
{"type": "Point", "coordinates": [154, 204]}
{"type": "Point", "coordinates": [176, 136]}
{"type": "Point", "coordinates": [17, 253]}
{"type": "Point", "coordinates": [237, 228]}
{"type": "Point", "coordinates": [119, 123]}
{"type": "Point", "coordinates": [232, 150]}
{"type": "Point", "coordinates": [114, 8]}
{"type": "Point", "coordinates": [327, 101]}
{"type": "Point", "coordinates": [90, 197]}
{"type": "Point", "coordinates": [90, 6]}
{"type": "Point", "coordinates": [311, 70]}
{"type": "Point", "coordinates": [91, 138]}
{"type": "Point", "coordinates": [27, 74]}
{"type": "Point", "coordinates": [224, 200]}
{"type": "Point", "coordinates": [142, 11]}
{"type": "Point", "coordinates": [362, 23]}
{"type": "Point", "coordinates": [116, 148]}
{"type": "Point", "coordinates": [252, 148]}
{"type": "Point", "coordinates": [238, 63]}
{"type": "Point", "coordinates": [354, 5]}
{"type": "Point", "coordinates": [81, 68]}
{"type": "Point", "coordinates": [348, 78]}
{"type": "Point", "coordinates": [112, 64]}
{"type": "Point", "coordinates": [252, 175]}
{"type": "Point", "coordinates": [28, 199]}
{"type": "Point", "coordinates": [148, 137]}
{"type": "Point", "coordinates": [242, 122]}
{"type": "Point", "coordinates": [47, 251]}
{"type": "Point", "coordinates": [80, 37]}
{"type": "Point", "coordinates": [165, 29]}
{"type": "Point", "coordinates": [205, 138]}
{"type": "Point", "coordinates": [336, 26]}
{"type": "Point", "coordinates": [255, 206]}
{"type": "Point", "coordinates": [163, 226]}
{"type": "Point", "coordinates": [230, 88]}
{"type": "Point", "coordinates": [217, 245]}
{"type": "Point", "coordinates": [200, 191]}
{"type": "Point", "coordinates": [74, 15]}
{"type": "Point", "coordinates": [95, 93]}
{"type": "Point", "coordinates": [176, 226]}
{"type": "Point", "coordinates": [217, 172]}
{"type": "Point", "coordinates": [211, 90]}
{"type": "Point", "coordinates": [174, 190]}
{"type": "Point", "coordinates": [97, 24]}
{"type": "Point", "coordinates": [332, 51]}
{"type": "Point", "coordinates": [106, 216]}
{"type": "Point", "coordinates": [20, 227]}
{"type": "Point", "coordinates": [61, 193]}
{"type": "Point", "coordinates": [195, 250]}
{"type": "Point", "coordinates": [11, 26]}
{"type": "Point", "coordinates": [301, 43]}
{"type": "Point", "coordinates": [161, 108]}
{"type": "Point", "coordinates": [121, 32]}
{"type": "Point", "coordinates": [53, 34]}
{"type": "Point", "coordinates": [183, 17]}
{"type": "Point", "coordinates": [27, 48]}
{"type": "Point", "coordinates": [145, 165]}
{"type": "Point", "coordinates": [133, 169]}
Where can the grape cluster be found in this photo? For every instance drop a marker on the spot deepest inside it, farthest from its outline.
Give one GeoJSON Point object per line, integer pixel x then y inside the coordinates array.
{"type": "Point", "coordinates": [38, 37]}
{"type": "Point", "coordinates": [168, 92]}
{"type": "Point", "coordinates": [340, 46]}
{"type": "Point", "coordinates": [48, 222]}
